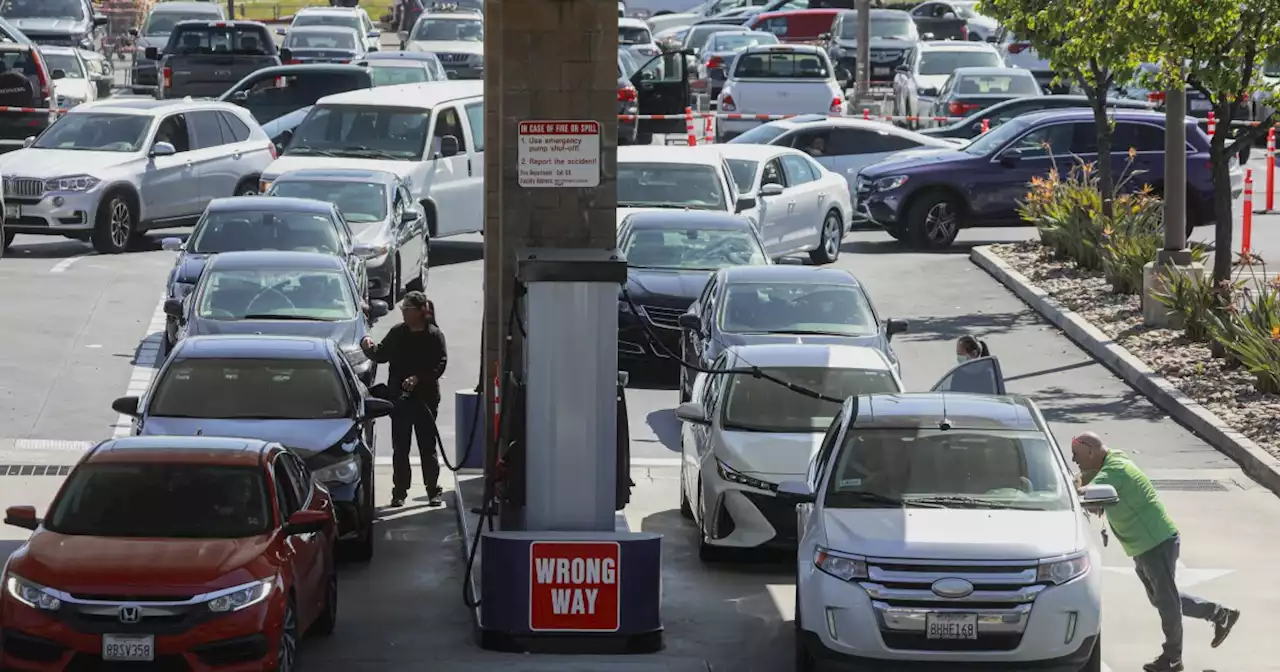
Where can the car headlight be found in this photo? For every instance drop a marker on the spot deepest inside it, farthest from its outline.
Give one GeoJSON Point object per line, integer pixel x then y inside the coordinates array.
{"type": "Point", "coordinates": [890, 183]}
{"type": "Point", "coordinates": [241, 597]}
{"type": "Point", "coordinates": [374, 255]}
{"type": "Point", "coordinates": [72, 183]}
{"type": "Point", "coordinates": [31, 594]}
{"type": "Point", "coordinates": [733, 476]}
{"type": "Point", "coordinates": [843, 567]}
{"type": "Point", "coordinates": [345, 472]}
{"type": "Point", "coordinates": [1062, 571]}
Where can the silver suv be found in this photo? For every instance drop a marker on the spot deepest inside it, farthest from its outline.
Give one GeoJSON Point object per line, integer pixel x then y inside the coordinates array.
{"type": "Point", "coordinates": [108, 171]}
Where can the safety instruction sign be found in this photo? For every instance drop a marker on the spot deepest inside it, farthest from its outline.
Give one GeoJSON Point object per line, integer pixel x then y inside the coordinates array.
{"type": "Point", "coordinates": [560, 154]}
{"type": "Point", "coordinates": [574, 586]}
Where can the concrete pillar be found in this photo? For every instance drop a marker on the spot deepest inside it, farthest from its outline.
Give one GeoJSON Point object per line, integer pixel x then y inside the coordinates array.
{"type": "Point", "coordinates": [544, 60]}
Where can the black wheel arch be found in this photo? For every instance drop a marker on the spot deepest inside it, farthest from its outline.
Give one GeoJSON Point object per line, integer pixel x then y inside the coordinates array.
{"type": "Point", "coordinates": [429, 208]}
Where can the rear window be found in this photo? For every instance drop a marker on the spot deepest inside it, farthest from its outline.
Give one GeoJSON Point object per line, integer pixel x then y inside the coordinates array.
{"type": "Point", "coordinates": [760, 135]}
{"type": "Point", "coordinates": [945, 62]}
{"type": "Point", "coordinates": [162, 23]}
{"type": "Point", "coordinates": [334, 39]}
{"type": "Point", "coordinates": [781, 65]}
{"type": "Point", "coordinates": [390, 74]}
{"type": "Point", "coordinates": [738, 41]}
{"type": "Point", "coordinates": [272, 97]}
{"type": "Point", "coordinates": [242, 40]}
{"type": "Point", "coordinates": [250, 389]}
{"type": "Point", "coordinates": [971, 85]}
{"type": "Point", "coordinates": [348, 20]}
{"type": "Point", "coordinates": [629, 35]}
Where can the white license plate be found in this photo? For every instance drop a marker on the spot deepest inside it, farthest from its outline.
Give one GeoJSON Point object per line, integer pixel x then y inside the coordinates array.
{"type": "Point", "coordinates": [1201, 105]}
{"type": "Point", "coordinates": [138, 648]}
{"type": "Point", "coordinates": [12, 210]}
{"type": "Point", "coordinates": [951, 626]}
{"type": "Point", "coordinates": [880, 72]}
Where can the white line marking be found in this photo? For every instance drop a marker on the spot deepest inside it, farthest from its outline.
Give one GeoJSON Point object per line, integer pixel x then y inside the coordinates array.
{"type": "Point", "coordinates": [52, 444]}
{"type": "Point", "coordinates": [62, 266]}
{"type": "Point", "coordinates": [144, 366]}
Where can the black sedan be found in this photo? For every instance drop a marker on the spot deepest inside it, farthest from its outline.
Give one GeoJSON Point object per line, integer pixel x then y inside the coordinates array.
{"type": "Point", "coordinates": [390, 226]}
{"type": "Point", "coordinates": [781, 304]}
{"type": "Point", "coordinates": [971, 126]}
{"type": "Point", "coordinates": [247, 223]}
{"type": "Point", "coordinates": [670, 254]}
{"type": "Point", "coordinates": [271, 93]}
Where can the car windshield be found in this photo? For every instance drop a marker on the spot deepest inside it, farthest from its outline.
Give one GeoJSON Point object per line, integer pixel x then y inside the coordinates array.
{"type": "Point", "coordinates": [797, 308]}
{"type": "Point", "coordinates": [996, 138]}
{"type": "Point", "coordinates": [362, 131]}
{"type": "Point", "coordinates": [943, 62]}
{"type": "Point", "coordinates": [1015, 85]}
{"type": "Point", "coordinates": [287, 294]}
{"type": "Point", "coordinates": [449, 30]}
{"type": "Point", "coordinates": [327, 39]}
{"type": "Point", "coordinates": [162, 23]}
{"type": "Point", "coordinates": [698, 36]}
{"type": "Point", "coordinates": [359, 202]}
{"type": "Point", "coordinates": [634, 35]}
{"type": "Point", "coordinates": [891, 28]}
{"type": "Point", "coordinates": [729, 42]}
{"type": "Point", "coordinates": [248, 230]}
{"type": "Point", "coordinates": [744, 174]}
{"type": "Point", "coordinates": [42, 9]}
{"type": "Point", "coordinates": [96, 131]}
{"type": "Point", "coordinates": [759, 405]}
{"type": "Point", "coordinates": [67, 63]}
{"type": "Point", "coordinates": [242, 40]}
{"type": "Point", "coordinates": [693, 249]}
{"type": "Point", "coordinates": [218, 388]}
{"type": "Point", "coordinates": [670, 185]}
{"type": "Point", "coordinates": [760, 135]}
{"type": "Point", "coordinates": [151, 500]}
{"type": "Point", "coordinates": [276, 127]}
{"type": "Point", "coordinates": [627, 64]}
{"type": "Point", "coordinates": [386, 73]}
{"type": "Point", "coordinates": [954, 467]}
{"type": "Point", "coordinates": [1271, 68]}
{"type": "Point", "coordinates": [314, 19]}
{"type": "Point", "coordinates": [780, 65]}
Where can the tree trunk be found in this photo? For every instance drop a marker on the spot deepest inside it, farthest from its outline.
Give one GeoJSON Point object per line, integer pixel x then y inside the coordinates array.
{"type": "Point", "coordinates": [1219, 162]}
{"type": "Point", "coordinates": [1106, 181]}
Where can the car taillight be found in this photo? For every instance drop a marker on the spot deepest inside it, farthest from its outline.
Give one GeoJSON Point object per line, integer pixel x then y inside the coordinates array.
{"type": "Point", "coordinates": [168, 77]}
{"type": "Point", "coordinates": [627, 94]}
{"type": "Point", "coordinates": [837, 105]}
{"type": "Point", "coordinates": [715, 62]}
{"type": "Point", "coordinates": [346, 61]}
{"type": "Point", "coordinates": [1018, 47]}
{"type": "Point", "coordinates": [727, 104]}
{"type": "Point", "coordinates": [964, 32]}
{"type": "Point", "coordinates": [961, 109]}
{"type": "Point", "coordinates": [1155, 97]}
{"type": "Point", "coordinates": [293, 61]}
{"type": "Point", "coordinates": [271, 147]}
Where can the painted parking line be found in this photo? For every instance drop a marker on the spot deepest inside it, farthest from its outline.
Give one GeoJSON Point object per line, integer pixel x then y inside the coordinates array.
{"type": "Point", "coordinates": [62, 266]}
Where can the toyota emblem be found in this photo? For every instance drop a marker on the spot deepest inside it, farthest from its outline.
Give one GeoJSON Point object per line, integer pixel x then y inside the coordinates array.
{"type": "Point", "coordinates": [130, 613]}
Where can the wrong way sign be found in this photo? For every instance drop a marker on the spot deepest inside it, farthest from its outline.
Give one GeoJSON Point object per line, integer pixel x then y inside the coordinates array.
{"type": "Point", "coordinates": [574, 586]}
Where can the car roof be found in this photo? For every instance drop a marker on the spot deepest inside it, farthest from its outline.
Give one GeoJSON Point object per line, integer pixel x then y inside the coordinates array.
{"type": "Point", "coordinates": [254, 346]}
{"type": "Point", "coordinates": [808, 356]}
{"type": "Point", "coordinates": [755, 152]}
{"type": "Point", "coordinates": [275, 259]}
{"type": "Point", "coordinates": [708, 155]}
{"type": "Point", "coordinates": [153, 107]}
{"type": "Point", "coordinates": [961, 411]}
{"type": "Point", "coordinates": [329, 10]}
{"type": "Point", "coordinates": [54, 49]}
{"type": "Point", "coordinates": [684, 219]}
{"type": "Point", "coordinates": [788, 273]}
{"type": "Point", "coordinates": [211, 8]}
{"type": "Point", "coordinates": [269, 204]}
{"type": "Point", "coordinates": [209, 450]}
{"type": "Point", "coordinates": [1086, 114]}
{"type": "Point", "coordinates": [992, 70]}
{"type": "Point", "coordinates": [783, 46]}
{"type": "Point", "coordinates": [296, 68]}
{"type": "Point", "coordinates": [954, 45]}
{"type": "Point", "coordinates": [229, 23]}
{"type": "Point", "coordinates": [421, 94]}
{"type": "Point", "coordinates": [338, 175]}
{"type": "Point", "coordinates": [322, 28]}
{"type": "Point", "coordinates": [798, 12]}
{"type": "Point", "coordinates": [631, 22]}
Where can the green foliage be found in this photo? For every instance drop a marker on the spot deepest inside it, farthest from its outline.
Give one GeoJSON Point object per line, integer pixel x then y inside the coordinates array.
{"type": "Point", "coordinates": [1191, 298]}
{"type": "Point", "coordinates": [1132, 240]}
{"type": "Point", "coordinates": [1249, 330]}
{"type": "Point", "coordinates": [1065, 211]}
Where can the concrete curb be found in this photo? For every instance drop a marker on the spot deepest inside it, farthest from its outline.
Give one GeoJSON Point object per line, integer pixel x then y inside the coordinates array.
{"type": "Point", "coordinates": [1255, 461]}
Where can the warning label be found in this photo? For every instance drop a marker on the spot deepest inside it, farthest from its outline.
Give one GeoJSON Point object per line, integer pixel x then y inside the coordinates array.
{"type": "Point", "coordinates": [559, 154]}
{"type": "Point", "coordinates": [574, 586]}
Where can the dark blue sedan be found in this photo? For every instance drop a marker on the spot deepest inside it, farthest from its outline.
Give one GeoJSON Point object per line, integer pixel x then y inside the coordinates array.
{"type": "Point", "coordinates": [925, 199]}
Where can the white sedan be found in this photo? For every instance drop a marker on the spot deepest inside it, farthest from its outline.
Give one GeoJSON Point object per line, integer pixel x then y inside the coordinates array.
{"type": "Point", "coordinates": [800, 205]}
{"type": "Point", "coordinates": [655, 177]}
{"type": "Point", "coordinates": [742, 435]}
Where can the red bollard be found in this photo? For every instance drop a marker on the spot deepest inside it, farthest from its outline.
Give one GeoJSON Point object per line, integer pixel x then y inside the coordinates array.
{"type": "Point", "coordinates": [986, 125]}
{"type": "Point", "coordinates": [1271, 169]}
{"type": "Point", "coordinates": [866, 114]}
{"type": "Point", "coordinates": [688, 126]}
{"type": "Point", "coordinates": [1246, 240]}
{"type": "Point", "coordinates": [1213, 125]}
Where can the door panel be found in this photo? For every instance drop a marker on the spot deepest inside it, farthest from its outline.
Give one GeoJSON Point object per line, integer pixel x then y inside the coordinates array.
{"type": "Point", "coordinates": [803, 194]}
{"type": "Point", "coordinates": [447, 178]}
{"type": "Point", "coordinates": [169, 187]}
{"type": "Point", "coordinates": [976, 376]}
{"type": "Point", "coordinates": [663, 87]}
{"type": "Point", "coordinates": [775, 212]}
{"type": "Point", "coordinates": [216, 162]}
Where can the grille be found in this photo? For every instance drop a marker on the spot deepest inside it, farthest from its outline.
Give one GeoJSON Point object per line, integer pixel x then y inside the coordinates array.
{"type": "Point", "coordinates": [879, 57]}
{"type": "Point", "coordinates": [34, 469]}
{"type": "Point", "coordinates": [781, 517]}
{"type": "Point", "coordinates": [453, 58]}
{"type": "Point", "coordinates": [23, 186]}
{"type": "Point", "coordinates": [667, 318]}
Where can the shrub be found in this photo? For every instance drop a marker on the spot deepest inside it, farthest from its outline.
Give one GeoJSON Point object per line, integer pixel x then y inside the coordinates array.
{"type": "Point", "coordinates": [1191, 298]}
{"type": "Point", "coordinates": [1130, 240]}
{"type": "Point", "coordinates": [1066, 212]}
{"type": "Point", "coordinates": [1249, 330]}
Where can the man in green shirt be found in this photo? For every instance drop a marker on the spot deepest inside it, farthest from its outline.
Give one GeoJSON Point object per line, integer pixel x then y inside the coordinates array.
{"type": "Point", "coordinates": [1148, 535]}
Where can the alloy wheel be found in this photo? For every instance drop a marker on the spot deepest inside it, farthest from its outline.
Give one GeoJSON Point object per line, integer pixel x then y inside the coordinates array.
{"type": "Point", "coordinates": [121, 223]}
{"type": "Point", "coordinates": [831, 236]}
{"type": "Point", "coordinates": [940, 223]}
{"type": "Point", "coordinates": [286, 657]}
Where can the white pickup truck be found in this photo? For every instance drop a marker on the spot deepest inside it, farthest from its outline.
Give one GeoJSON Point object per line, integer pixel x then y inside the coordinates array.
{"type": "Point", "coordinates": [775, 81]}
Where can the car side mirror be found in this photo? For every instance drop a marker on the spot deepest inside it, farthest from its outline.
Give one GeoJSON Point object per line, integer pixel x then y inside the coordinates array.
{"type": "Point", "coordinates": [307, 522]}
{"type": "Point", "coordinates": [795, 492]}
{"type": "Point", "coordinates": [927, 36]}
{"type": "Point", "coordinates": [624, 379]}
{"type": "Point", "coordinates": [771, 190]}
{"type": "Point", "coordinates": [133, 32]}
{"type": "Point", "coordinates": [1099, 495]}
{"type": "Point", "coordinates": [692, 411]}
{"type": "Point", "coordinates": [745, 203]}
{"type": "Point", "coordinates": [286, 55]}
{"type": "Point", "coordinates": [100, 20]}
{"type": "Point", "coordinates": [377, 408]}
{"type": "Point", "coordinates": [282, 31]}
{"type": "Point", "coordinates": [28, 141]}
{"type": "Point", "coordinates": [163, 149]}
{"type": "Point", "coordinates": [929, 92]}
{"type": "Point", "coordinates": [1010, 157]}
{"type": "Point", "coordinates": [892, 327]}
{"type": "Point", "coordinates": [374, 34]}
{"type": "Point", "coordinates": [152, 53]}
{"type": "Point", "coordinates": [409, 216]}
{"type": "Point", "coordinates": [282, 140]}
{"type": "Point", "coordinates": [240, 97]}
{"type": "Point", "coordinates": [22, 516]}
{"type": "Point", "coordinates": [173, 308]}
{"type": "Point", "coordinates": [378, 308]}
{"type": "Point", "coordinates": [690, 321]}
{"type": "Point", "coordinates": [126, 406]}
{"type": "Point", "coordinates": [824, 37]}
{"type": "Point", "coordinates": [993, 39]}
{"type": "Point", "coordinates": [58, 73]}
{"type": "Point", "coordinates": [171, 244]}
{"type": "Point", "coordinates": [448, 146]}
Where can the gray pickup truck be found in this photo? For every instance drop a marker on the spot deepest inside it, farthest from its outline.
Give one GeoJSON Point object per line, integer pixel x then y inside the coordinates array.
{"type": "Point", "coordinates": [205, 58]}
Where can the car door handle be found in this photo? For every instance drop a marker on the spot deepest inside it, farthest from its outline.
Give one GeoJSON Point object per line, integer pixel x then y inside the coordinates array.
{"type": "Point", "coordinates": [821, 198]}
{"type": "Point", "coordinates": [791, 207]}
{"type": "Point", "coordinates": [469, 167]}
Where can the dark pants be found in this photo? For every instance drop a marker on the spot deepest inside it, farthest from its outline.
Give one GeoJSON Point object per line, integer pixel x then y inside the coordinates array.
{"type": "Point", "coordinates": [1156, 569]}
{"type": "Point", "coordinates": [410, 418]}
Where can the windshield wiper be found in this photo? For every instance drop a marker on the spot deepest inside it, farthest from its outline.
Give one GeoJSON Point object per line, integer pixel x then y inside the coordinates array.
{"type": "Point", "coordinates": [877, 498]}
{"type": "Point", "coordinates": [369, 151]}
{"type": "Point", "coordinates": [961, 500]}
{"type": "Point", "coordinates": [309, 150]}
{"type": "Point", "coordinates": [809, 332]}
{"type": "Point", "coordinates": [274, 316]}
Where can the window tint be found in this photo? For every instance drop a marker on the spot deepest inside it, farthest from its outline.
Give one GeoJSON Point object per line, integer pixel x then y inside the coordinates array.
{"type": "Point", "coordinates": [386, 73]}
{"type": "Point", "coordinates": [871, 142]}
{"type": "Point", "coordinates": [233, 128]}
{"type": "Point", "coordinates": [475, 121]}
{"type": "Point", "coordinates": [335, 39]}
{"type": "Point", "coordinates": [943, 62]}
{"type": "Point", "coordinates": [1053, 140]}
{"type": "Point", "coordinates": [448, 123]}
{"type": "Point", "coordinates": [362, 131]}
{"type": "Point", "coordinates": [693, 249]}
{"type": "Point", "coordinates": [228, 388]}
{"type": "Point", "coordinates": [798, 171]}
{"type": "Point", "coordinates": [43, 9]}
{"type": "Point", "coordinates": [242, 39]}
{"type": "Point", "coordinates": [207, 129]}
{"type": "Point", "coordinates": [320, 296]}
{"type": "Point", "coordinates": [744, 173]}
{"type": "Point", "coordinates": [797, 308]}
{"type": "Point", "coordinates": [1140, 137]}
{"type": "Point", "coordinates": [772, 174]}
{"type": "Point", "coordinates": [634, 35]}
{"type": "Point", "coordinates": [697, 187]}
{"type": "Point", "coordinates": [760, 405]}
{"type": "Point", "coordinates": [286, 494]}
{"type": "Point", "coordinates": [1012, 85]}
{"type": "Point", "coordinates": [829, 442]}
{"type": "Point", "coordinates": [270, 97]}
{"type": "Point", "coordinates": [323, 19]}
{"type": "Point", "coordinates": [781, 65]}
{"type": "Point", "coordinates": [448, 30]}
{"type": "Point", "coordinates": [173, 130]}
{"type": "Point", "coordinates": [97, 132]}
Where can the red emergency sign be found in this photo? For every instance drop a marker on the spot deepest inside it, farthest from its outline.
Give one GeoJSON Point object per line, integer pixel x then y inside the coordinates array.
{"type": "Point", "coordinates": [573, 586]}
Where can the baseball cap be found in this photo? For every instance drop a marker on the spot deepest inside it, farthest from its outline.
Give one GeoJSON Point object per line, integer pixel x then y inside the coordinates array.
{"type": "Point", "coordinates": [417, 299]}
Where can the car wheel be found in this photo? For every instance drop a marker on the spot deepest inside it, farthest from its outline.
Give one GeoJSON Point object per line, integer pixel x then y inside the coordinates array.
{"type": "Point", "coordinates": [328, 619]}
{"type": "Point", "coordinates": [116, 224]}
{"type": "Point", "coordinates": [933, 221]}
{"type": "Point", "coordinates": [397, 276]}
{"type": "Point", "coordinates": [287, 650]}
{"type": "Point", "coordinates": [1095, 659]}
{"type": "Point", "coordinates": [247, 188]}
{"type": "Point", "coordinates": [685, 509]}
{"type": "Point", "coordinates": [419, 284]}
{"type": "Point", "coordinates": [361, 549]}
{"type": "Point", "coordinates": [829, 239]}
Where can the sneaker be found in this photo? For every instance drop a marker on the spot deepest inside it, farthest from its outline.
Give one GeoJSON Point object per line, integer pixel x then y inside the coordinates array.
{"type": "Point", "coordinates": [397, 501]}
{"type": "Point", "coordinates": [1163, 664]}
{"type": "Point", "coordinates": [1222, 624]}
{"type": "Point", "coordinates": [435, 500]}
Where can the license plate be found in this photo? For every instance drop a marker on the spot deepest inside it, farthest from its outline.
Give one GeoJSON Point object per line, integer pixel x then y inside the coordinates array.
{"type": "Point", "coordinates": [12, 210]}
{"type": "Point", "coordinates": [951, 626]}
{"type": "Point", "coordinates": [880, 72]}
{"type": "Point", "coordinates": [136, 648]}
{"type": "Point", "coordinates": [1201, 105]}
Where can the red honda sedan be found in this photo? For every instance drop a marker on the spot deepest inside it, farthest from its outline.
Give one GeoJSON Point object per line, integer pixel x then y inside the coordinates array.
{"type": "Point", "coordinates": [174, 553]}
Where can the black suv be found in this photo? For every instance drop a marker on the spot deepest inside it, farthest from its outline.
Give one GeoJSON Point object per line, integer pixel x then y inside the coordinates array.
{"type": "Point", "coordinates": [25, 82]}
{"type": "Point", "coordinates": [63, 23]}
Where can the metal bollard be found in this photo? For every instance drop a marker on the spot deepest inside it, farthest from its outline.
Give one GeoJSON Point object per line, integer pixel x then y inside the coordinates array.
{"type": "Point", "coordinates": [1246, 239]}
{"type": "Point", "coordinates": [1213, 125]}
{"type": "Point", "coordinates": [986, 125]}
{"type": "Point", "coordinates": [688, 126]}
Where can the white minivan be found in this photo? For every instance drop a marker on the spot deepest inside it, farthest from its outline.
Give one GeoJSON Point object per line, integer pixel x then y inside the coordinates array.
{"type": "Point", "coordinates": [431, 134]}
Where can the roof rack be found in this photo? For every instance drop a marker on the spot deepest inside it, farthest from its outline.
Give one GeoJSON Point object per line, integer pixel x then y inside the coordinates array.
{"type": "Point", "coordinates": [453, 8]}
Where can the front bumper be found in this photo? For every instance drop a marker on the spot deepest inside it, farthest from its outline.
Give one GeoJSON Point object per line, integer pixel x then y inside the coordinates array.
{"type": "Point", "coordinates": [59, 213]}
{"type": "Point", "coordinates": [635, 345]}
{"type": "Point", "coordinates": [381, 278]}
{"type": "Point", "coordinates": [881, 208]}
{"type": "Point", "coordinates": [738, 516]}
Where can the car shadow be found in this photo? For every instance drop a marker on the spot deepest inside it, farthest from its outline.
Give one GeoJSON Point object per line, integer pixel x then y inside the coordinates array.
{"type": "Point", "coordinates": [448, 253]}
{"type": "Point", "coordinates": [983, 325]}
{"type": "Point", "coordinates": [49, 247]}
{"type": "Point", "coordinates": [666, 426]}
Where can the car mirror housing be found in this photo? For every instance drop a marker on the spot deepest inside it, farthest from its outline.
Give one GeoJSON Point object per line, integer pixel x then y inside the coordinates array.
{"type": "Point", "coordinates": [1099, 495]}
{"type": "Point", "coordinates": [163, 149]}
{"type": "Point", "coordinates": [892, 327]}
{"type": "Point", "coordinates": [22, 516]}
{"type": "Point", "coordinates": [173, 308]}
{"type": "Point", "coordinates": [771, 190]}
{"type": "Point", "coordinates": [126, 406]}
{"type": "Point", "coordinates": [692, 411]}
{"type": "Point", "coordinates": [378, 308]}
{"type": "Point", "coordinates": [307, 522]}
{"type": "Point", "coordinates": [377, 408]}
{"type": "Point", "coordinates": [690, 321]}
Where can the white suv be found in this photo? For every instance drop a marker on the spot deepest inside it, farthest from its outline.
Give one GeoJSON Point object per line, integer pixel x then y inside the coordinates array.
{"type": "Point", "coordinates": [945, 528]}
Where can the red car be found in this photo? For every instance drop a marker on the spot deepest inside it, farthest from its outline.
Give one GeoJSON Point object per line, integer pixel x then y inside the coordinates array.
{"type": "Point", "coordinates": [797, 25]}
{"type": "Point", "coordinates": [173, 553]}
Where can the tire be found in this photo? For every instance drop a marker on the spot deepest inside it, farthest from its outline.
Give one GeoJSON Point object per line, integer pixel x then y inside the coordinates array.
{"type": "Point", "coordinates": [933, 221]}
{"type": "Point", "coordinates": [829, 238]}
{"type": "Point", "coordinates": [419, 284]}
{"type": "Point", "coordinates": [247, 188]}
{"type": "Point", "coordinates": [287, 648]}
{"type": "Point", "coordinates": [1095, 659]}
{"type": "Point", "coordinates": [685, 509]}
{"type": "Point", "coordinates": [360, 549]}
{"type": "Point", "coordinates": [6, 240]}
{"type": "Point", "coordinates": [116, 224]}
{"type": "Point", "coordinates": [327, 621]}
{"type": "Point", "coordinates": [397, 276]}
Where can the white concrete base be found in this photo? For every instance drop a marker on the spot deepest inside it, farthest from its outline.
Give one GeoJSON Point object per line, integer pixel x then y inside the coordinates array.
{"type": "Point", "coordinates": [1154, 313]}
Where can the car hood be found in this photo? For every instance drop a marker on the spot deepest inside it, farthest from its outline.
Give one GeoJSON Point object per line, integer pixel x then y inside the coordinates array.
{"type": "Point", "coordinates": [371, 232]}
{"type": "Point", "coordinates": [50, 163]}
{"type": "Point", "coordinates": [73, 88]}
{"type": "Point", "coordinates": [111, 565]}
{"type": "Point", "coordinates": [953, 534]}
{"type": "Point", "coordinates": [51, 26]}
{"type": "Point", "coordinates": [453, 47]}
{"type": "Point", "coordinates": [916, 159]}
{"type": "Point", "coordinates": [305, 437]}
{"type": "Point", "coordinates": [776, 457]}
{"type": "Point", "coordinates": [682, 286]}
{"type": "Point", "coordinates": [344, 333]}
{"type": "Point", "coordinates": [287, 163]}
{"type": "Point", "coordinates": [729, 339]}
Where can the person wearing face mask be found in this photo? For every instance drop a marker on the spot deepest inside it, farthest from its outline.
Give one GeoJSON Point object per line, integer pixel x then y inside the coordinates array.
{"type": "Point", "coordinates": [969, 379]}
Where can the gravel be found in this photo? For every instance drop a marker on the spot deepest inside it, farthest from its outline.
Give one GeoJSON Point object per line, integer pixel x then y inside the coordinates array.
{"type": "Point", "coordinates": [1226, 392]}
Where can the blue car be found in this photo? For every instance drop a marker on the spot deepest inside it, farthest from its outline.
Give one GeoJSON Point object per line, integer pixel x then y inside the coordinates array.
{"type": "Point", "coordinates": [297, 391]}
{"type": "Point", "coordinates": [926, 198]}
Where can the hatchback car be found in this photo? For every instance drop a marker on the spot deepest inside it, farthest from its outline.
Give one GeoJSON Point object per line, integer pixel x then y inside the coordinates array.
{"type": "Point", "coordinates": [110, 170]}
{"type": "Point", "coordinates": [167, 552]}
{"type": "Point", "coordinates": [295, 390]}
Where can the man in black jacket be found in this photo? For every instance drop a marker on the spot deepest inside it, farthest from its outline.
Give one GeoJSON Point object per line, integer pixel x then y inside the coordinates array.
{"type": "Point", "coordinates": [416, 352]}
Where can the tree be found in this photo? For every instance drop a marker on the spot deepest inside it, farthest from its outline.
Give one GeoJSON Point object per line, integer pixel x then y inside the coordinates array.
{"type": "Point", "coordinates": [1095, 43]}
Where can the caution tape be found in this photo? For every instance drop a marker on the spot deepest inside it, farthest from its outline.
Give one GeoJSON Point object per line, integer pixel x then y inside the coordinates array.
{"type": "Point", "coordinates": [33, 110]}
{"type": "Point", "coordinates": [776, 117]}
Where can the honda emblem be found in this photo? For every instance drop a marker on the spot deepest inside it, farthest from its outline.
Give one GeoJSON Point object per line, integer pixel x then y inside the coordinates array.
{"type": "Point", "coordinates": [130, 613]}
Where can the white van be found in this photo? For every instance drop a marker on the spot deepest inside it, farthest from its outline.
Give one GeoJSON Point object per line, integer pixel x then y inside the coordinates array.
{"type": "Point", "coordinates": [431, 134]}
